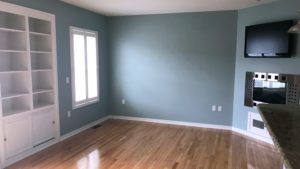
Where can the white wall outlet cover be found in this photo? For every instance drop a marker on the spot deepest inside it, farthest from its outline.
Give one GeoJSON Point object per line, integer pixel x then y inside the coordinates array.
{"type": "Point", "coordinates": [219, 108]}
{"type": "Point", "coordinates": [123, 101]}
{"type": "Point", "coordinates": [213, 107]}
{"type": "Point", "coordinates": [69, 113]}
{"type": "Point", "coordinates": [67, 80]}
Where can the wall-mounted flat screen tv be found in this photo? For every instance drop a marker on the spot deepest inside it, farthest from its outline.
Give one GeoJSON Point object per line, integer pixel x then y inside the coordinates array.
{"type": "Point", "coordinates": [270, 40]}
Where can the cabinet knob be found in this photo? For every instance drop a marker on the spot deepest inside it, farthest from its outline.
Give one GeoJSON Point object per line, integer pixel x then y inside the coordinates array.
{"type": "Point", "coordinates": [5, 139]}
{"type": "Point", "coordinates": [53, 122]}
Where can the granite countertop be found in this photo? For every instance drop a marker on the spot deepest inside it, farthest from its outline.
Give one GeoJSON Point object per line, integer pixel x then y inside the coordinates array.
{"type": "Point", "coordinates": [283, 124]}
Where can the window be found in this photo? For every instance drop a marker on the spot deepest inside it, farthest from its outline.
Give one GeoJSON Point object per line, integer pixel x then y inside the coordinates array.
{"type": "Point", "coordinates": [84, 58]}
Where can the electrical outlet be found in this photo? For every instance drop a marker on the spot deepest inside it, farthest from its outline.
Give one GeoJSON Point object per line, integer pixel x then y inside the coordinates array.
{"type": "Point", "coordinates": [213, 108]}
{"type": "Point", "coordinates": [69, 114]}
{"type": "Point", "coordinates": [123, 101]}
{"type": "Point", "coordinates": [67, 80]}
{"type": "Point", "coordinates": [219, 108]}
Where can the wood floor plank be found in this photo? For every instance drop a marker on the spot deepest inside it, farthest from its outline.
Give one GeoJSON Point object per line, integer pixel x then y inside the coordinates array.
{"type": "Point", "coordinates": [121, 144]}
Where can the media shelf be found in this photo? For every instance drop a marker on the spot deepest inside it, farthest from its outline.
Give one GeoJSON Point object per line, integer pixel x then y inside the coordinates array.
{"type": "Point", "coordinates": [42, 81]}
{"type": "Point", "coordinates": [13, 51]}
{"type": "Point", "coordinates": [41, 34]}
{"type": "Point", "coordinates": [11, 30]}
{"type": "Point", "coordinates": [40, 43]}
{"type": "Point", "coordinates": [43, 100]}
{"type": "Point", "coordinates": [8, 40]}
{"type": "Point", "coordinates": [44, 107]}
{"type": "Point", "coordinates": [13, 61]}
{"type": "Point", "coordinates": [42, 70]}
{"type": "Point", "coordinates": [41, 61]}
{"type": "Point", "coordinates": [42, 91]}
{"type": "Point", "coordinates": [14, 84]}
{"type": "Point", "coordinates": [16, 105]}
{"type": "Point", "coordinates": [12, 72]}
{"type": "Point", "coordinates": [13, 95]}
{"type": "Point", "coordinates": [39, 26]}
{"type": "Point", "coordinates": [42, 52]}
{"type": "Point", "coordinates": [12, 21]}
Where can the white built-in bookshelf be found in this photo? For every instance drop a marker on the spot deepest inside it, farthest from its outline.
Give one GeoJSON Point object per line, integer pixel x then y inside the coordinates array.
{"type": "Point", "coordinates": [27, 79]}
{"type": "Point", "coordinates": [22, 62]}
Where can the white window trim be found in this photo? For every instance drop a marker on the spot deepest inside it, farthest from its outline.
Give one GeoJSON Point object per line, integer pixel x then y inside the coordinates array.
{"type": "Point", "coordinates": [88, 101]}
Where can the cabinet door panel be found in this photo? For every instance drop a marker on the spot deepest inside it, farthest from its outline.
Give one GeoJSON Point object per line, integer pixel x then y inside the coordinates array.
{"type": "Point", "coordinates": [42, 126]}
{"type": "Point", "coordinates": [17, 132]}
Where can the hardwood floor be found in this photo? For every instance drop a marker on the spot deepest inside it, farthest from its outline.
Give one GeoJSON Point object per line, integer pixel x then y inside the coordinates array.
{"type": "Point", "coordinates": [121, 144]}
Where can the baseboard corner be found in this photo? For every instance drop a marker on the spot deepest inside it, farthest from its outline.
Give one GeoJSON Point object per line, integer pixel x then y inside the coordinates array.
{"type": "Point", "coordinates": [249, 134]}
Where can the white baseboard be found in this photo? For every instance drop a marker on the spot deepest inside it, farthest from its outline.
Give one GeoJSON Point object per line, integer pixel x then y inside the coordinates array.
{"type": "Point", "coordinates": [191, 124]}
{"type": "Point", "coordinates": [180, 123]}
{"type": "Point", "coordinates": [77, 131]}
{"type": "Point", "coordinates": [25, 154]}
{"type": "Point", "coordinates": [50, 143]}
{"type": "Point", "coordinates": [255, 136]}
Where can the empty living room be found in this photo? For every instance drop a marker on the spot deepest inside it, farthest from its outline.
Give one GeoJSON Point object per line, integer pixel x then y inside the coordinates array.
{"type": "Point", "coordinates": [149, 84]}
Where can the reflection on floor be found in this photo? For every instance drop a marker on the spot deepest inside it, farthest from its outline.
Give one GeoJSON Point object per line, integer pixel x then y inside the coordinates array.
{"type": "Point", "coordinates": [121, 144]}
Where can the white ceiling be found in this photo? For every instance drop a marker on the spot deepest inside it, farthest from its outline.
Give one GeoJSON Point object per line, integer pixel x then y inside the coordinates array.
{"type": "Point", "coordinates": [140, 7]}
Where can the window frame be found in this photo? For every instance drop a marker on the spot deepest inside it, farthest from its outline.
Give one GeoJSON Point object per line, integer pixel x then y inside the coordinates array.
{"type": "Point", "coordinates": [85, 32]}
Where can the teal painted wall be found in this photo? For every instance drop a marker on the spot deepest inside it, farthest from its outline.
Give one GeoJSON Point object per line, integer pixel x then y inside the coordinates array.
{"type": "Point", "coordinates": [173, 66]}
{"type": "Point", "coordinates": [276, 11]}
{"type": "Point", "coordinates": [67, 15]}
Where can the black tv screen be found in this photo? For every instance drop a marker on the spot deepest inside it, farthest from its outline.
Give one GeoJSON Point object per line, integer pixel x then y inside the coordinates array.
{"type": "Point", "coordinates": [268, 40]}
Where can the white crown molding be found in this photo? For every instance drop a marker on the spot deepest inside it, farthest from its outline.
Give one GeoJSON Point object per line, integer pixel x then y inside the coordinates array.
{"type": "Point", "coordinates": [146, 7]}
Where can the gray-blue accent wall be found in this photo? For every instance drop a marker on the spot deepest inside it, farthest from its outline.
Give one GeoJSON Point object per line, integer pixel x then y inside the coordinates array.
{"type": "Point", "coordinates": [276, 11]}
{"type": "Point", "coordinates": [173, 66]}
{"type": "Point", "coordinates": [68, 15]}
{"type": "Point", "coordinates": [169, 66]}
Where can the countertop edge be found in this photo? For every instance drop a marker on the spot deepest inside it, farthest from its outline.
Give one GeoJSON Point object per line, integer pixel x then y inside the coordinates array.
{"type": "Point", "coordinates": [286, 161]}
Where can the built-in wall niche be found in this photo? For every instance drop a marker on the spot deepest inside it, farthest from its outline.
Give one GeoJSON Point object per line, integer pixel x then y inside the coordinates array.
{"type": "Point", "coordinates": [43, 99]}
{"type": "Point", "coordinates": [16, 105]}
{"type": "Point", "coordinates": [12, 21]}
{"type": "Point", "coordinates": [14, 84]}
{"type": "Point", "coordinates": [42, 81]}
{"type": "Point", "coordinates": [39, 26]}
{"type": "Point", "coordinates": [40, 43]}
{"type": "Point", "coordinates": [13, 61]}
{"type": "Point", "coordinates": [28, 92]}
{"type": "Point", "coordinates": [8, 40]}
{"type": "Point", "coordinates": [41, 61]}
{"type": "Point", "coordinates": [271, 88]}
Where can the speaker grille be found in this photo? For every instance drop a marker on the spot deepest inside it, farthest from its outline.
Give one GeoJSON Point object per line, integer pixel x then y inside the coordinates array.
{"type": "Point", "coordinates": [293, 94]}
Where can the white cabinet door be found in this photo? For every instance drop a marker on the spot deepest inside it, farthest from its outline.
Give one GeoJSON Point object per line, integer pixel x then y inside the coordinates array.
{"type": "Point", "coordinates": [43, 127]}
{"type": "Point", "coordinates": [17, 134]}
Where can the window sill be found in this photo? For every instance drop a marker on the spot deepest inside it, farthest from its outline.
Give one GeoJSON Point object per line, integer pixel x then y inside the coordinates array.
{"type": "Point", "coordinates": [84, 104]}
